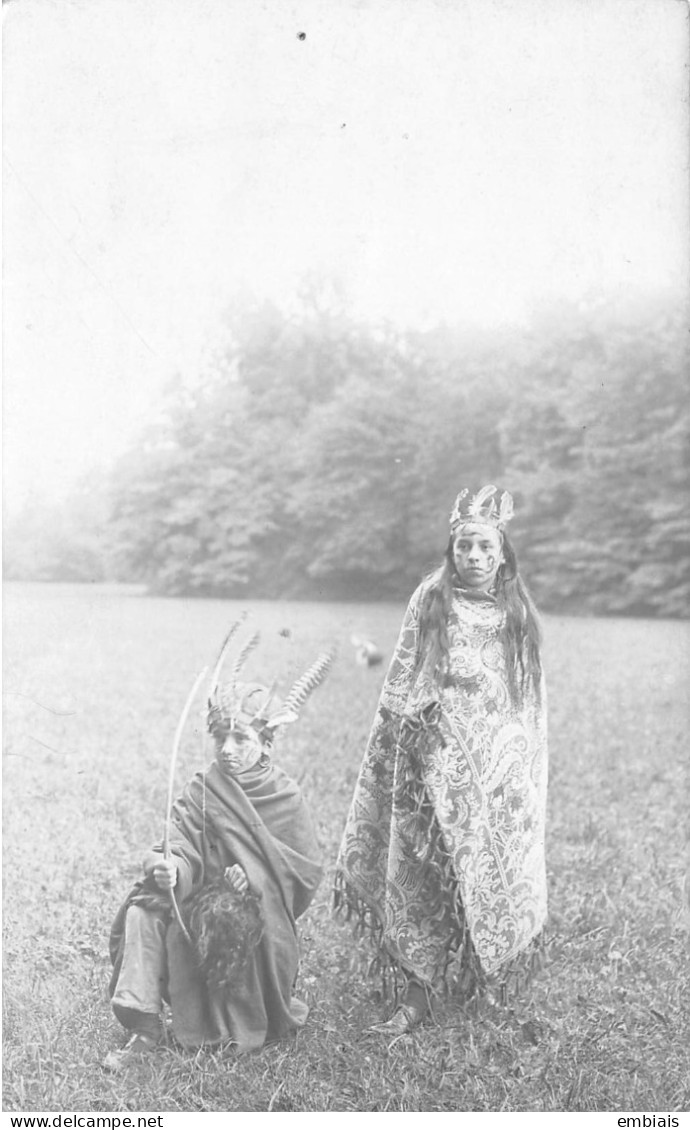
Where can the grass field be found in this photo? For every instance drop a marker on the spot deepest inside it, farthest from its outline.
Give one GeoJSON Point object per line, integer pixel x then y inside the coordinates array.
{"type": "Point", "coordinates": [94, 683]}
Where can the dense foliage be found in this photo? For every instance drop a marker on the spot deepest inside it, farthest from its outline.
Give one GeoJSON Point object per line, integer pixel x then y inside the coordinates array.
{"type": "Point", "coordinates": [320, 457]}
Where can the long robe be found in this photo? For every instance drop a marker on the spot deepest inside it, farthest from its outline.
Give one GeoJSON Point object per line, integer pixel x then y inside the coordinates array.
{"type": "Point", "coordinates": [264, 825]}
{"type": "Point", "coordinates": [442, 863]}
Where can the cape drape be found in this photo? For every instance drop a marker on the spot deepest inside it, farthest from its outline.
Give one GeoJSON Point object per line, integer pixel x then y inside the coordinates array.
{"type": "Point", "coordinates": [442, 863]}
{"type": "Point", "coordinates": [264, 825]}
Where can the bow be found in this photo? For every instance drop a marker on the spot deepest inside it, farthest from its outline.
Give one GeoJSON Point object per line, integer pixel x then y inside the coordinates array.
{"type": "Point", "coordinates": [171, 781]}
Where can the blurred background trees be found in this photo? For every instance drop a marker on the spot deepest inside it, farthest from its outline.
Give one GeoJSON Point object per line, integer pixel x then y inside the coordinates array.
{"type": "Point", "coordinates": [319, 457]}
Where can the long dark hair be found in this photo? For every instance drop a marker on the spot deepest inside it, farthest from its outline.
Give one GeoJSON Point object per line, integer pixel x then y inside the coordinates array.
{"type": "Point", "coordinates": [520, 630]}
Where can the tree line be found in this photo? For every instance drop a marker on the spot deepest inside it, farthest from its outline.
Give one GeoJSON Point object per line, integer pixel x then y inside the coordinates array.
{"type": "Point", "coordinates": [319, 457]}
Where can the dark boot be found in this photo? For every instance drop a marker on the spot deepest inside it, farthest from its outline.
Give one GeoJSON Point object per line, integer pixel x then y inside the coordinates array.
{"type": "Point", "coordinates": [145, 1034]}
{"type": "Point", "coordinates": [142, 1023]}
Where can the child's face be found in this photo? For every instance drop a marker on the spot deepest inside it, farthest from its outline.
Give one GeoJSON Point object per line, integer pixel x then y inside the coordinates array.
{"type": "Point", "coordinates": [477, 555]}
{"type": "Point", "coordinates": [241, 749]}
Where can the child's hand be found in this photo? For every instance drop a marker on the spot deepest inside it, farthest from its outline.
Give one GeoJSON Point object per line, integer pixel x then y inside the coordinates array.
{"type": "Point", "coordinates": [236, 878]}
{"type": "Point", "coordinates": [165, 874]}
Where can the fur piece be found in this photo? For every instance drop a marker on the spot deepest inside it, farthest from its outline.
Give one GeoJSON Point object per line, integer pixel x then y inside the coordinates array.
{"type": "Point", "coordinates": [225, 927]}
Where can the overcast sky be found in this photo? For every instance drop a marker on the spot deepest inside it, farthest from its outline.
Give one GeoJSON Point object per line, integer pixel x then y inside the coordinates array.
{"type": "Point", "coordinates": [467, 160]}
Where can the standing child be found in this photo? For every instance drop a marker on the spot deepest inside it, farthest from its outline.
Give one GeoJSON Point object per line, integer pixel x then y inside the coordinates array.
{"type": "Point", "coordinates": [442, 858]}
{"type": "Point", "coordinates": [243, 865]}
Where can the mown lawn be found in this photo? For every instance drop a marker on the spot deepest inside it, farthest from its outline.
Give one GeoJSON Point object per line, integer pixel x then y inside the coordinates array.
{"type": "Point", "coordinates": [94, 682]}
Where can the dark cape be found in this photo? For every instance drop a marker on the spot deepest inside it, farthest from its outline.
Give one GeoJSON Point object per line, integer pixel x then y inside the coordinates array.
{"type": "Point", "coordinates": [264, 825]}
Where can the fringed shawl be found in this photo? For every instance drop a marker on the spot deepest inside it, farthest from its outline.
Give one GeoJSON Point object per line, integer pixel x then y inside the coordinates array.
{"type": "Point", "coordinates": [263, 825]}
{"type": "Point", "coordinates": [441, 864]}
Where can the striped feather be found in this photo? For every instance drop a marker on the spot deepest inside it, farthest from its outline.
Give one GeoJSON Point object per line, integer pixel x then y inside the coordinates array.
{"type": "Point", "coordinates": [309, 681]}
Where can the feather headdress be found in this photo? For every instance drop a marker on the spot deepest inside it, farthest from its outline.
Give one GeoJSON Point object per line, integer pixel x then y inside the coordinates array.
{"type": "Point", "coordinates": [489, 504]}
{"type": "Point", "coordinates": [238, 705]}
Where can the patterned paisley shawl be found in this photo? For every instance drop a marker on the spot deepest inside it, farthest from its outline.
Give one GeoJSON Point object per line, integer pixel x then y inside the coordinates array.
{"type": "Point", "coordinates": [442, 859]}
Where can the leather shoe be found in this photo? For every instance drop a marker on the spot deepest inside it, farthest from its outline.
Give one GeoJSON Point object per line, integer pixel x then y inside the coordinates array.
{"type": "Point", "coordinates": [404, 1019]}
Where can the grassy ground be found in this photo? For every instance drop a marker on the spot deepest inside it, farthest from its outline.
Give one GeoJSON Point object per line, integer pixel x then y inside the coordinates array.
{"type": "Point", "coordinates": [94, 682]}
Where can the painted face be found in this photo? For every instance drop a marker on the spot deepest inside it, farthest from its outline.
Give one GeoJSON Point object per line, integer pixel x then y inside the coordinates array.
{"type": "Point", "coordinates": [240, 751]}
{"type": "Point", "coordinates": [477, 555]}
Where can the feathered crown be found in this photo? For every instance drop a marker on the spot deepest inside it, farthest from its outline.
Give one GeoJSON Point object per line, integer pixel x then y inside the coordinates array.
{"type": "Point", "coordinates": [238, 705]}
{"type": "Point", "coordinates": [489, 504]}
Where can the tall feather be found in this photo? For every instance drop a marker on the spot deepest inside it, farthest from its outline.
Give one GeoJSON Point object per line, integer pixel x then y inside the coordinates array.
{"type": "Point", "coordinates": [215, 678]}
{"type": "Point", "coordinates": [244, 656]}
{"type": "Point", "coordinates": [309, 681]}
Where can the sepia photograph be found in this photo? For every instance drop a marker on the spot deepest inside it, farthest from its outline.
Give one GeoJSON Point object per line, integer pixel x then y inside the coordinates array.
{"type": "Point", "coordinates": [346, 559]}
